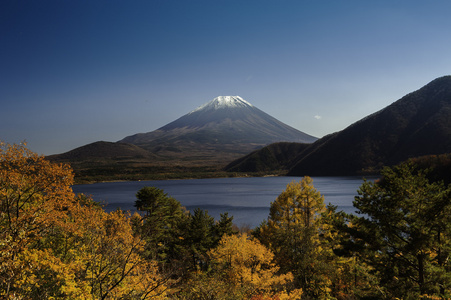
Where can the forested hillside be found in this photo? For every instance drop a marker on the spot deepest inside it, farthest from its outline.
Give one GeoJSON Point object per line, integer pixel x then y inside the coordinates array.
{"type": "Point", "coordinates": [273, 158]}
{"type": "Point", "coordinates": [55, 244]}
{"type": "Point", "coordinates": [417, 124]}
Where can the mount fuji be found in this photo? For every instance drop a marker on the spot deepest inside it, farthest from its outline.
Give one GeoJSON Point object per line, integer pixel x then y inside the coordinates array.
{"type": "Point", "coordinates": [201, 142]}
{"type": "Point", "coordinates": [225, 127]}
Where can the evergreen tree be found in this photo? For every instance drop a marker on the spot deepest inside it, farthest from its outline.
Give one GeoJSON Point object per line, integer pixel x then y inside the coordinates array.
{"type": "Point", "coordinates": [162, 225]}
{"type": "Point", "coordinates": [199, 237]}
{"type": "Point", "coordinates": [405, 234]}
{"type": "Point", "coordinates": [202, 233]}
{"type": "Point", "coordinates": [223, 227]}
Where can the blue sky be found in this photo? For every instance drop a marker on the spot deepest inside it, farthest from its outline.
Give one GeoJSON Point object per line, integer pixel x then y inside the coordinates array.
{"type": "Point", "coordinates": [76, 72]}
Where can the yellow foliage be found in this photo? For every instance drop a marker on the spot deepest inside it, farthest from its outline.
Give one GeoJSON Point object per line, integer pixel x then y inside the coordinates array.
{"type": "Point", "coordinates": [56, 245]}
{"type": "Point", "coordinates": [300, 238]}
{"type": "Point", "coordinates": [293, 295]}
{"type": "Point", "coordinates": [33, 196]}
{"type": "Point", "coordinates": [110, 255]}
{"type": "Point", "coordinates": [246, 262]}
{"type": "Point", "coordinates": [44, 273]}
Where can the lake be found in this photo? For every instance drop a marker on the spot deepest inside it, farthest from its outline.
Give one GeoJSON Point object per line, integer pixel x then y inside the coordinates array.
{"type": "Point", "coordinates": [246, 199]}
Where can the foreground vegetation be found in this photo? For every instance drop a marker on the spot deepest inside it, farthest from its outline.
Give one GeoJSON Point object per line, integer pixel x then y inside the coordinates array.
{"type": "Point", "coordinates": [55, 244]}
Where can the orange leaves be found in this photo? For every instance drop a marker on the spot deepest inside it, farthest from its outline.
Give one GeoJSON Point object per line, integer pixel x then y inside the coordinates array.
{"type": "Point", "coordinates": [108, 254]}
{"type": "Point", "coordinates": [31, 190]}
{"type": "Point", "coordinates": [32, 193]}
{"type": "Point", "coordinates": [54, 244]}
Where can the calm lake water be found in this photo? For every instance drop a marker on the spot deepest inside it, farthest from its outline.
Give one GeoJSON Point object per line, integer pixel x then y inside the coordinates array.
{"type": "Point", "coordinates": [246, 199]}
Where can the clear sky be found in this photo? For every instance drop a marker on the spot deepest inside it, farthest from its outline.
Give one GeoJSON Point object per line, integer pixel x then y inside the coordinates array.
{"type": "Point", "coordinates": [76, 72]}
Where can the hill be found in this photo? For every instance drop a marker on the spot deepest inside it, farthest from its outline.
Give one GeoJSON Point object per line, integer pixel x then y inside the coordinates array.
{"type": "Point", "coordinates": [102, 161]}
{"type": "Point", "coordinates": [104, 150]}
{"type": "Point", "coordinates": [418, 124]}
{"type": "Point", "coordinates": [272, 158]}
{"type": "Point", "coordinates": [438, 167]}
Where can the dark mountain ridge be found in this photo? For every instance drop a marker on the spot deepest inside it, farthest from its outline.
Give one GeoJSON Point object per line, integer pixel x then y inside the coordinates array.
{"type": "Point", "coordinates": [101, 161]}
{"type": "Point", "coordinates": [272, 158]}
{"type": "Point", "coordinates": [418, 124]}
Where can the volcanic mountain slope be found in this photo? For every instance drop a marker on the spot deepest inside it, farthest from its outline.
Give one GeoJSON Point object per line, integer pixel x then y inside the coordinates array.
{"type": "Point", "coordinates": [417, 124]}
{"type": "Point", "coordinates": [225, 128]}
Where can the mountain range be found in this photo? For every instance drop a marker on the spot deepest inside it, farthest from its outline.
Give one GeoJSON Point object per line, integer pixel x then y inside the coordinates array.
{"type": "Point", "coordinates": [418, 124]}
{"type": "Point", "coordinates": [212, 135]}
{"type": "Point", "coordinates": [230, 131]}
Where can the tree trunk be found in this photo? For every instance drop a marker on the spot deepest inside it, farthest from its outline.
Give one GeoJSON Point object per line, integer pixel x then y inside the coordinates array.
{"type": "Point", "coordinates": [420, 259]}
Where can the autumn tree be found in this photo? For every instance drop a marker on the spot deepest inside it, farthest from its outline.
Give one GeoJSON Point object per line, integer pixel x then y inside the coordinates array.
{"type": "Point", "coordinates": [56, 245]}
{"type": "Point", "coordinates": [405, 233]}
{"type": "Point", "coordinates": [110, 257]}
{"type": "Point", "coordinates": [293, 232]}
{"type": "Point", "coordinates": [33, 192]}
{"type": "Point", "coordinates": [249, 266]}
{"type": "Point", "coordinates": [349, 277]}
{"type": "Point", "coordinates": [241, 268]}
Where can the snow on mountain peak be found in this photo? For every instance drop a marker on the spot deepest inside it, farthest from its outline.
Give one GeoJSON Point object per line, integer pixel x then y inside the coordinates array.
{"type": "Point", "coordinates": [224, 102]}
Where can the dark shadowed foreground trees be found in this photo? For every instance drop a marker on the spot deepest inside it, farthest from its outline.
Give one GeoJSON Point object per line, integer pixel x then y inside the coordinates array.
{"type": "Point", "coordinates": [406, 233]}
{"type": "Point", "coordinates": [162, 226]}
{"type": "Point", "coordinates": [176, 238]}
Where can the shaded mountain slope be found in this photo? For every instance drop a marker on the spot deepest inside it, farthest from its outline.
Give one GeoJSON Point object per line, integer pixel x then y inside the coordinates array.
{"type": "Point", "coordinates": [417, 124]}
{"type": "Point", "coordinates": [438, 166]}
{"type": "Point", "coordinates": [104, 151]}
{"type": "Point", "coordinates": [277, 156]}
{"type": "Point", "coordinates": [103, 161]}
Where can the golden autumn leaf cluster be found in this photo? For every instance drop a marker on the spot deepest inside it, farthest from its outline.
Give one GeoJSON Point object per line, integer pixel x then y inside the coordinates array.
{"type": "Point", "coordinates": [244, 261]}
{"type": "Point", "coordinates": [56, 244]}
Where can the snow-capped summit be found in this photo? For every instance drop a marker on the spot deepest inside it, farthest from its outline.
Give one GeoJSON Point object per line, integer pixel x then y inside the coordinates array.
{"type": "Point", "coordinates": [224, 102]}
{"type": "Point", "coordinates": [227, 126]}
